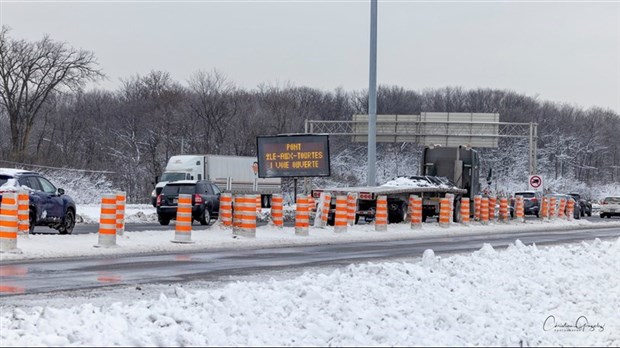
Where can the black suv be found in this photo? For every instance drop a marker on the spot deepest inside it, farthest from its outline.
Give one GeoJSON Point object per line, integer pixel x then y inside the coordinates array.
{"type": "Point", "coordinates": [586, 207]}
{"type": "Point", "coordinates": [531, 202]}
{"type": "Point", "coordinates": [205, 200]}
{"type": "Point", "coordinates": [49, 206]}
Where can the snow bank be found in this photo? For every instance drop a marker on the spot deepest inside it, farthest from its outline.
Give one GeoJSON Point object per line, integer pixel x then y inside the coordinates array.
{"type": "Point", "coordinates": [521, 296]}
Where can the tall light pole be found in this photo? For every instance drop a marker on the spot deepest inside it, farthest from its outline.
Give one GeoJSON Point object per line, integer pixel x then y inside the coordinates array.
{"type": "Point", "coordinates": [372, 96]}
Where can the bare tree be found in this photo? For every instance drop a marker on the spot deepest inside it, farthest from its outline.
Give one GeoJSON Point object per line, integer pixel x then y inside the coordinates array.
{"type": "Point", "coordinates": [30, 72]}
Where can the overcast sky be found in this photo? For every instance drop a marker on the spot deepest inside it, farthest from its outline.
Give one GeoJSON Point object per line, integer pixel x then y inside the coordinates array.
{"type": "Point", "coordinates": [566, 52]}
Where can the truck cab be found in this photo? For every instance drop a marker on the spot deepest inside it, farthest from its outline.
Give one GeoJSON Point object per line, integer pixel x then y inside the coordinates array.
{"type": "Point", "coordinates": [461, 165]}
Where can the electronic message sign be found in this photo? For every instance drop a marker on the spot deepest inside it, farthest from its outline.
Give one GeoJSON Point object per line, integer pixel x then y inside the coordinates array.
{"type": "Point", "coordinates": [293, 156]}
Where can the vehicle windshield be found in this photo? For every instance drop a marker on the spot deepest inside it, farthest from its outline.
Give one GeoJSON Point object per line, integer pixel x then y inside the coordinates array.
{"type": "Point", "coordinates": [173, 190]}
{"type": "Point", "coordinates": [4, 179]}
{"type": "Point", "coordinates": [172, 176]}
{"type": "Point", "coordinates": [612, 200]}
{"type": "Point", "coordinates": [525, 194]}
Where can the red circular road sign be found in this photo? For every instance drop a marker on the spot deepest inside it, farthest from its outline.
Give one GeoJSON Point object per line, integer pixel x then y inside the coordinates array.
{"type": "Point", "coordinates": [535, 181]}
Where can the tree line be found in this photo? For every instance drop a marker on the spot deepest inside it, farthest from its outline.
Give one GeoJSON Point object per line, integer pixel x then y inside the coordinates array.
{"type": "Point", "coordinates": [47, 118]}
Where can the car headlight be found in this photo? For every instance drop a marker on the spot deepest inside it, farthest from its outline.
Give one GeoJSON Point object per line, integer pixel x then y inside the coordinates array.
{"type": "Point", "coordinates": [153, 194]}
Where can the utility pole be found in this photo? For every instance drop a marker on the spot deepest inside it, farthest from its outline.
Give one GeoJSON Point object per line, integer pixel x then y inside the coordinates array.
{"type": "Point", "coordinates": [372, 96]}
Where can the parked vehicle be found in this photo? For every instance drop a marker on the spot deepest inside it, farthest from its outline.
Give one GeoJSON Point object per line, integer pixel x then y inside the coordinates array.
{"type": "Point", "coordinates": [49, 206]}
{"type": "Point", "coordinates": [531, 202]}
{"type": "Point", "coordinates": [205, 200]}
{"type": "Point", "coordinates": [610, 207]}
{"type": "Point", "coordinates": [438, 165]}
{"type": "Point", "coordinates": [231, 173]}
{"type": "Point", "coordinates": [586, 206]}
{"type": "Point", "coordinates": [576, 210]}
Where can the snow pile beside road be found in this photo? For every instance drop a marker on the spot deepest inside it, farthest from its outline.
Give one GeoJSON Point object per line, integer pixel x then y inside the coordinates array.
{"type": "Point", "coordinates": [134, 213]}
{"type": "Point", "coordinates": [521, 296]}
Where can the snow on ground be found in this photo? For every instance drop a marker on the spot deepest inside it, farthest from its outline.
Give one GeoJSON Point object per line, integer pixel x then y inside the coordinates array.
{"type": "Point", "coordinates": [134, 213]}
{"type": "Point", "coordinates": [524, 295]}
{"type": "Point", "coordinates": [564, 295]}
{"type": "Point", "coordinates": [39, 245]}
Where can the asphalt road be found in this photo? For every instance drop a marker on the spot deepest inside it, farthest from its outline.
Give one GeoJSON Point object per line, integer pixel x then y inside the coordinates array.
{"type": "Point", "coordinates": [34, 277]}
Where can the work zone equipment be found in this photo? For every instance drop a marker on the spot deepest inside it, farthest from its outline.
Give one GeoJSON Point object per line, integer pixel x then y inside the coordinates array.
{"type": "Point", "coordinates": [244, 217]}
{"type": "Point", "coordinates": [121, 198]}
{"type": "Point", "coordinates": [351, 208]}
{"type": "Point", "coordinates": [415, 208]}
{"type": "Point", "coordinates": [340, 220]}
{"type": "Point", "coordinates": [277, 215]}
{"type": "Point", "coordinates": [9, 223]}
{"type": "Point", "coordinates": [226, 210]}
{"type": "Point", "coordinates": [107, 221]}
{"type": "Point", "coordinates": [381, 214]}
{"type": "Point", "coordinates": [464, 216]}
{"type": "Point", "coordinates": [519, 209]}
{"type": "Point", "coordinates": [23, 212]}
{"type": "Point", "coordinates": [183, 228]}
{"type": "Point", "coordinates": [302, 216]}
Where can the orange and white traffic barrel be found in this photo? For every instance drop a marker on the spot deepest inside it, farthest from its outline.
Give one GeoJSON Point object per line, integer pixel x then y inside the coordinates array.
{"type": "Point", "coordinates": [519, 209]}
{"type": "Point", "coordinates": [323, 211]}
{"type": "Point", "coordinates": [415, 209]}
{"type": "Point", "coordinates": [492, 204]}
{"type": "Point", "coordinates": [445, 212]}
{"type": "Point", "coordinates": [570, 209]}
{"type": "Point", "coordinates": [225, 213]}
{"type": "Point", "coordinates": [9, 223]}
{"type": "Point", "coordinates": [464, 219]}
{"type": "Point", "coordinates": [351, 208]}
{"type": "Point", "coordinates": [340, 220]}
{"type": "Point", "coordinates": [277, 215]}
{"type": "Point", "coordinates": [562, 209]}
{"type": "Point", "coordinates": [503, 209]}
{"type": "Point", "coordinates": [381, 214]}
{"type": "Point", "coordinates": [311, 203]}
{"type": "Point", "coordinates": [477, 206]}
{"type": "Point", "coordinates": [245, 210]}
{"type": "Point", "coordinates": [258, 204]}
{"type": "Point", "coordinates": [302, 216]}
{"type": "Point", "coordinates": [484, 210]}
{"type": "Point", "coordinates": [23, 212]}
{"type": "Point", "coordinates": [183, 228]}
{"type": "Point", "coordinates": [552, 207]}
{"type": "Point", "coordinates": [121, 199]}
{"type": "Point", "coordinates": [107, 221]}
{"type": "Point", "coordinates": [544, 209]}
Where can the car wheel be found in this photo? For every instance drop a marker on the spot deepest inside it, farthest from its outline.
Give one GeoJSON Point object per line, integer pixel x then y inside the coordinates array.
{"type": "Point", "coordinates": [32, 221]}
{"type": "Point", "coordinates": [609, 216]}
{"type": "Point", "coordinates": [205, 218]}
{"type": "Point", "coordinates": [68, 224]}
{"type": "Point", "coordinates": [163, 221]}
{"type": "Point", "coordinates": [589, 213]}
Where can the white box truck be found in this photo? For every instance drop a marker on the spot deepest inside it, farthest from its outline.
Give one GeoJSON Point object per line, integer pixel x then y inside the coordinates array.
{"type": "Point", "coordinates": [234, 174]}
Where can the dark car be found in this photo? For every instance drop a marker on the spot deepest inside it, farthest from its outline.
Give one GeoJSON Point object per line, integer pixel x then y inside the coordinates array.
{"type": "Point", "coordinates": [577, 214]}
{"type": "Point", "coordinates": [586, 206]}
{"type": "Point", "coordinates": [531, 202]}
{"type": "Point", "coordinates": [49, 206]}
{"type": "Point", "coordinates": [205, 200]}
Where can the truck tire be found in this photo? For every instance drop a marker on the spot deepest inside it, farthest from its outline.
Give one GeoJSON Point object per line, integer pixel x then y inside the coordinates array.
{"type": "Point", "coordinates": [456, 217]}
{"type": "Point", "coordinates": [399, 215]}
{"type": "Point", "coordinates": [266, 201]}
